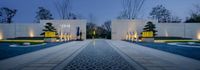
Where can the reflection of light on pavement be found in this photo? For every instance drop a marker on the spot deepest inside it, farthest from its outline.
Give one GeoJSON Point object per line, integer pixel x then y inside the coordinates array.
{"type": "Point", "coordinates": [93, 42]}
{"type": "Point", "coordinates": [166, 33]}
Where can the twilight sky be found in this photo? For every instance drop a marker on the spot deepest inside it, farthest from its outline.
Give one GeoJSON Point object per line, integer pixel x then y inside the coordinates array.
{"type": "Point", "coordinates": [102, 10]}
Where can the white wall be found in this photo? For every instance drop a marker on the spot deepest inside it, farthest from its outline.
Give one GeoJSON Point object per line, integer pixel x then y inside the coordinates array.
{"type": "Point", "coordinates": [120, 28]}
{"type": "Point", "coordinates": [35, 29]}
{"type": "Point", "coordinates": [188, 30]}
{"type": "Point", "coordinates": [69, 26]}
{"type": "Point", "coordinates": [20, 30]}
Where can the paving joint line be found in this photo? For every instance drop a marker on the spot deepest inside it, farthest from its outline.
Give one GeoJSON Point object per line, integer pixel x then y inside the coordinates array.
{"type": "Point", "coordinates": [125, 56]}
{"type": "Point", "coordinates": [19, 67]}
{"type": "Point", "coordinates": [62, 64]}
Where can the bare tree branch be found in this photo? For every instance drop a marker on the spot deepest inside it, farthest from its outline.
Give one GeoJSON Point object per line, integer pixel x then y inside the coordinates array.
{"type": "Point", "coordinates": [131, 8]}
{"type": "Point", "coordinates": [63, 8]}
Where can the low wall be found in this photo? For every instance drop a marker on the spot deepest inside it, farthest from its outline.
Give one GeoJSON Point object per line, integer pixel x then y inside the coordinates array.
{"type": "Point", "coordinates": [68, 26]}
{"type": "Point", "coordinates": [35, 29]}
{"type": "Point", "coordinates": [120, 28]}
{"type": "Point", "coordinates": [20, 30]}
{"type": "Point", "coordinates": [186, 30]}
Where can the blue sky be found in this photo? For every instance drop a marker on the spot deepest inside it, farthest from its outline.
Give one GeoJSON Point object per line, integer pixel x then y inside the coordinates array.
{"type": "Point", "coordinates": [102, 10]}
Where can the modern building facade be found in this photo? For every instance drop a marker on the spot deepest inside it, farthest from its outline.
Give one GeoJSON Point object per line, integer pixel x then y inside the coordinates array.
{"type": "Point", "coordinates": [64, 27]}
{"type": "Point", "coordinates": [122, 28]}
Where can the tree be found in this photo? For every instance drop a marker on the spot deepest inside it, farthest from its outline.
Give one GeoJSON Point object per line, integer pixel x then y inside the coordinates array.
{"type": "Point", "coordinates": [131, 8]}
{"type": "Point", "coordinates": [49, 27]}
{"type": "Point", "coordinates": [43, 14]}
{"type": "Point", "coordinates": [150, 27]}
{"type": "Point", "coordinates": [107, 26]}
{"type": "Point", "coordinates": [90, 28]}
{"type": "Point", "coordinates": [6, 15]}
{"type": "Point", "coordinates": [101, 32]}
{"type": "Point", "coordinates": [161, 14]}
{"type": "Point", "coordinates": [74, 16]}
{"type": "Point", "coordinates": [175, 19]}
{"type": "Point", "coordinates": [63, 8]}
{"type": "Point", "coordinates": [107, 29]}
{"type": "Point", "coordinates": [194, 16]}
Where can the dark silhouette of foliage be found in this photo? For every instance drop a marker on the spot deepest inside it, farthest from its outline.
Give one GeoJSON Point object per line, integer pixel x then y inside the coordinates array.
{"type": "Point", "coordinates": [107, 29]}
{"type": "Point", "coordinates": [150, 27]}
{"type": "Point", "coordinates": [64, 9]}
{"type": "Point", "coordinates": [131, 9]}
{"type": "Point", "coordinates": [163, 15]}
{"type": "Point", "coordinates": [43, 14]}
{"type": "Point", "coordinates": [89, 29]}
{"type": "Point", "coordinates": [49, 27]}
{"type": "Point", "coordinates": [160, 13]}
{"type": "Point", "coordinates": [7, 14]}
{"type": "Point", "coordinates": [194, 16]}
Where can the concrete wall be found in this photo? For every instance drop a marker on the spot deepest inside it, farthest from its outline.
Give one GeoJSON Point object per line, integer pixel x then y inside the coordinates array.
{"type": "Point", "coordinates": [187, 30]}
{"type": "Point", "coordinates": [120, 28]}
{"type": "Point", "coordinates": [20, 30]}
{"type": "Point", "coordinates": [35, 29]}
{"type": "Point", "coordinates": [68, 26]}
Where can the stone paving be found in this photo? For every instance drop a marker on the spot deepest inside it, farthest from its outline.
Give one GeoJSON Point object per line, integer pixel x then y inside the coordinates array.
{"type": "Point", "coordinates": [46, 59]}
{"type": "Point", "coordinates": [152, 59]}
{"type": "Point", "coordinates": [99, 56]}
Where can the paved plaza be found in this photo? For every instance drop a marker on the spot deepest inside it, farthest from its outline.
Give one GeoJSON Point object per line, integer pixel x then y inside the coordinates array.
{"type": "Point", "coordinates": [99, 54]}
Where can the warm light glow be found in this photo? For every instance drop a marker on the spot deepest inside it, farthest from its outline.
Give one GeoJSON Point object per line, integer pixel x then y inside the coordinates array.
{"type": "Point", "coordinates": [135, 34]}
{"type": "Point", "coordinates": [31, 33]}
{"type": "Point", "coordinates": [68, 37]}
{"type": "Point", "coordinates": [198, 35]}
{"type": "Point", "coordinates": [166, 33]}
{"type": "Point", "coordinates": [129, 36]}
{"type": "Point", "coordinates": [1, 36]}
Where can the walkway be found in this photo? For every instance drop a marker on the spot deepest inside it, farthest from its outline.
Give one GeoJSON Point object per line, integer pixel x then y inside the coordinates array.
{"type": "Point", "coordinates": [99, 55]}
